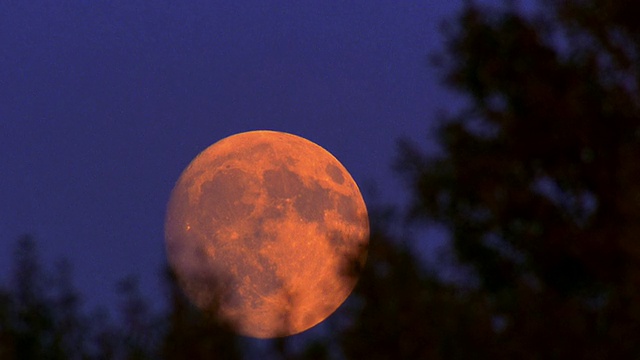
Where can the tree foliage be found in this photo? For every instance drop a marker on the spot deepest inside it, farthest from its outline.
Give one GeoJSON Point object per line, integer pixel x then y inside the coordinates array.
{"type": "Point", "coordinates": [42, 317]}
{"type": "Point", "coordinates": [538, 180]}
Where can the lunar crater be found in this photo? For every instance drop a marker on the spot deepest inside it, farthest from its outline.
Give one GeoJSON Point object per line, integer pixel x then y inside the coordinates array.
{"type": "Point", "coordinates": [334, 173]}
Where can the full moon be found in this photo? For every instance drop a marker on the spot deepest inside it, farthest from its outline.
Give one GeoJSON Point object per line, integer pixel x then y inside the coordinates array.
{"type": "Point", "coordinates": [267, 232]}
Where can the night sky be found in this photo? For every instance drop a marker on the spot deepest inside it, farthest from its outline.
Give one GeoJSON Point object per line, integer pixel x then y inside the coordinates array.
{"type": "Point", "coordinates": [104, 103]}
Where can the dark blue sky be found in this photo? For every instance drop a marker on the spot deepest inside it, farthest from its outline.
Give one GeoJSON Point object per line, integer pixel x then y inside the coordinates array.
{"type": "Point", "coordinates": [104, 103]}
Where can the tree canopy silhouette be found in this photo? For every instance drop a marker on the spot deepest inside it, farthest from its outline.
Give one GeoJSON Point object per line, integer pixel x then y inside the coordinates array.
{"type": "Point", "coordinates": [42, 317]}
{"type": "Point", "coordinates": [538, 180]}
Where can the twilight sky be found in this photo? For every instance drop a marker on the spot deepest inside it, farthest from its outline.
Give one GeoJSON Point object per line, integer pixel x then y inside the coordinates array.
{"type": "Point", "coordinates": [104, 103]}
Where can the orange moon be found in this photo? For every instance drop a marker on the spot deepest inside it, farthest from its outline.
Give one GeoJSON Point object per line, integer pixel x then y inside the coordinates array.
{"type": "Point", "coordinates": [267, 232]}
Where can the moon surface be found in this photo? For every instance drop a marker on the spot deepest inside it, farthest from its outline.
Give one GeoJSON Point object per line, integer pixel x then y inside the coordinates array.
{"type": "Point", "coordinates": [267, 232]}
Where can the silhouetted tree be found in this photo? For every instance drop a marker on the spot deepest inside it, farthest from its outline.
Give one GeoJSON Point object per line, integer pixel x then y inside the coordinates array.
{"type": "Point", "coordinates": [538, 180]}
{"type": "Point", "coordinates": [192, 334]}
{"type": "Point", "coordinates": [403, 312]}
{"type": "Point", "coordinates": [39, 315]}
